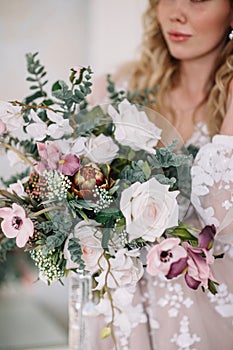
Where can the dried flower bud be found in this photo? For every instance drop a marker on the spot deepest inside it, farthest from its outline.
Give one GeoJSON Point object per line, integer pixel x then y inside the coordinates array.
{"type": "Point", "coordinates": [85, 180]}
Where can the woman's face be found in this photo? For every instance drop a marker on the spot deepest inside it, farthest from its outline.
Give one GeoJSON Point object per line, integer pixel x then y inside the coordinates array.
{"type": "Point", "coordinates": [194, 28]}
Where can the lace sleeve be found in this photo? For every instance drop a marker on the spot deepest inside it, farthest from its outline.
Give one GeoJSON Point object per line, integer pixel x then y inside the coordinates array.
{"type": "Point", "coordinates": [212, 186]}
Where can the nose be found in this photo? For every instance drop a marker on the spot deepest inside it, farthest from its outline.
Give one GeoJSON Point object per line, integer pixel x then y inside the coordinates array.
{"type": "Point", "coordinates": [178, 13]}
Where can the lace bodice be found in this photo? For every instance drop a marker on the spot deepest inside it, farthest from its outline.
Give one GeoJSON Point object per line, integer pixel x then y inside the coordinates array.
{"type": "Point", "coordinates": [212, 185]}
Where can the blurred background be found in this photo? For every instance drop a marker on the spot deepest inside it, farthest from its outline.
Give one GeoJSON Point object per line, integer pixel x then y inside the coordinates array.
{"type": "Point", "coordinates": [66, 33]}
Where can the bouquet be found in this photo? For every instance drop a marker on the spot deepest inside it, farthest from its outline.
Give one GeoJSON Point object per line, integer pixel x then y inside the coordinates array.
{"type": "Point", "coordinates": [96, 191]}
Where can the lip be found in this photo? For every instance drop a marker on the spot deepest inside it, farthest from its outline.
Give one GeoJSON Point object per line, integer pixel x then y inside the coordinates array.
{"type": "Point", "coordinates": [176, 36]}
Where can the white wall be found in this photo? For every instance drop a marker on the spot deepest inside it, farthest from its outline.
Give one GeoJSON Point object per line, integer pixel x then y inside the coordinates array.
{"type": "Point", "coordinates": [115, 32]}
{"type": "Point", "coordinates": [66, 33]}
{"type": "Point", "coordinates": [58, 29]}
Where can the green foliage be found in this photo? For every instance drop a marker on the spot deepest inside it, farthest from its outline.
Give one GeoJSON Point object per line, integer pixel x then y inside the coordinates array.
{"type": "Point", "coordinates": [183, 232]}
{"type": "Point", "coordinates": [136, 171]}
{"type": "Point", "coordinates": [56, 231]}
{"type": "Point", "coordinates": [142, 97]}
{"type": "Point", "coordinates": [108, 217]}
{"type": "Point", "coordinates": [81, 207]}
{"type": "Point", "coordinates": [166, 157]}
{"type": "Point", "coordinates": [76, 95]}
{"type": "Point", "coordinates": [212, 286]}
{"type": "Point", "coordinates": [192, 150]}
{"type": "Point", "coordinates": [36, 74]}
{"type": "Point", "coordinates": [87, 122]}
{"type": "Point", "coordinates": [61, 91]}
{"type": "Point", "coordinates": [7, 245]}
{"type": "Point", "coordinates": [76, 252]}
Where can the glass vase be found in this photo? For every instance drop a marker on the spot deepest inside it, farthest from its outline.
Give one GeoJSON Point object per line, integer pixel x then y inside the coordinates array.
{"type": "Point", "coordinates": [80, 297]}
{"type": "Point", "coordinates": [85, 325]}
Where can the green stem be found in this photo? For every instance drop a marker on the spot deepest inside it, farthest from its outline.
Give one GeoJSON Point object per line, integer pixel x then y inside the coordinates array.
{"type": "Point", "coordinates": [46, 210]}
{"type": "Point", "coordinates": [111, 324]}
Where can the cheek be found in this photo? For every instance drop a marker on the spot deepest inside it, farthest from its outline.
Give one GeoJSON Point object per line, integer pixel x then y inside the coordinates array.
{"type": "Point", "coordinates": [215, 25]}
{"type": "Point", "coordinates": [161, 15]}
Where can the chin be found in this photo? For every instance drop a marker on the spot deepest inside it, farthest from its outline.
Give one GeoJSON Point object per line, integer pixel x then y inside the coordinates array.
{"type": "Point", "coordinates": [180, 54]}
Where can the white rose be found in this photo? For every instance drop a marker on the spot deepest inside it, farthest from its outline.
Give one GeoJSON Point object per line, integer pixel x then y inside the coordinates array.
{"type": "Point", "coordinates": [76, 146]}
{"type": "Point", "coordinates": [87, 233]}
{"type": "Point", "coordinates": [149, 208]}
{"type": "Point", "coordinates": [101, 149]}
{"type": "Point", "coordinates": [125, 269]}
{"type": "Point", "coordinates": [133, 128]}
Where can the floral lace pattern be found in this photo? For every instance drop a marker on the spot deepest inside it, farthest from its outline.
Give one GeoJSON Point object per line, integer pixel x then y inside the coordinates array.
{"type": "Point", "coordinates": [212, 175]}
{"type": "Point", "coordinates": [184, 339]}
{"type": "Point", "coordinates": [212, 185]}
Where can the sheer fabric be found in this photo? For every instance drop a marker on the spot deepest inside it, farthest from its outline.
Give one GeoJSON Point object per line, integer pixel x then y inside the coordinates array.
{"type": "Point", "coordinates": [179, 318]}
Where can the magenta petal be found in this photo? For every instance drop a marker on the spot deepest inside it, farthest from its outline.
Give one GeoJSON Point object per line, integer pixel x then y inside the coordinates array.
{"type": "Point", "coordinates": [191, 282]}
{"type": "Point", "coordinates": [206, 236]}
{"type": "Point", "coordinates": [177, 268]}
{"type": "Point", "coordinates": [71, 165]}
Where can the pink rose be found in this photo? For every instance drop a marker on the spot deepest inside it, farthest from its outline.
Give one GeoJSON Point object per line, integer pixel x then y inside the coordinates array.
{"type": "Point", "coordinates": [149, 209]}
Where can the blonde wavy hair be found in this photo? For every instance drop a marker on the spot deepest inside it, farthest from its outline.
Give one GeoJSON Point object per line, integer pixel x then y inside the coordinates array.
{"type": "Point", "coordinates": [156, 67]}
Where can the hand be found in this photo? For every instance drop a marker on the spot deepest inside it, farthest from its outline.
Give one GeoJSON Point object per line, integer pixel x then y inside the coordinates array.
{"type": "Point", "coordinates": [227, 125]}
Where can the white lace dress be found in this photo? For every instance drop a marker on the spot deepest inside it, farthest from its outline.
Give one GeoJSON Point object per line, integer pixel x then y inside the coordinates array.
{"type": "Point", "coordinates": [180, 318]}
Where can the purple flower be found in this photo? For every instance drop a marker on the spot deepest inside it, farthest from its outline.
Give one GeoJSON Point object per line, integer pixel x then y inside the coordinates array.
{"type": "Point", "coordinates": [16, 224]}
{"type": "Point", "coordinates": [164, 256]}
{"type": "Point", "coordinates": [69, 164]}
{"type": "Point", "coordinates": [200, 259]}
{"type": "Point", "coordinates": [206, 237]}
{"type": "Point", "coordinates": [53, 159]}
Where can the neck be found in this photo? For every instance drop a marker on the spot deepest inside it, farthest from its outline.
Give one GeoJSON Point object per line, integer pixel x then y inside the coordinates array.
{"type": "Point", "coordinates": [195, 76]}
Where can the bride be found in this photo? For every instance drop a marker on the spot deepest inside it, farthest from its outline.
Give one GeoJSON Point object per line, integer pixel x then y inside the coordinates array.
{"type": "Point", "coordinates": [187, 53]}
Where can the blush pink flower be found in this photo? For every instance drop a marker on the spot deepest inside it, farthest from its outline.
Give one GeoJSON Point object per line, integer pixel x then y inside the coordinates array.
{"type": "Point", "coordinates": [16, 224]}
{"type": "Point", "coordinates": [53, 159]}
{"type": "Point", "coordinates": [164, 255]}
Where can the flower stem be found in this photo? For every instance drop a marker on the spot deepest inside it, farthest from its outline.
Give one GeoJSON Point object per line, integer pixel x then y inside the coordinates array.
{"type": "Point", "coordinates": [46, 210]}
{"type": "Point", "coordinates": [111, 302]}
{"type": "Point", "coordinates": [19, 154]}
{"type": "Point", "coordinates": [32, 106]}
